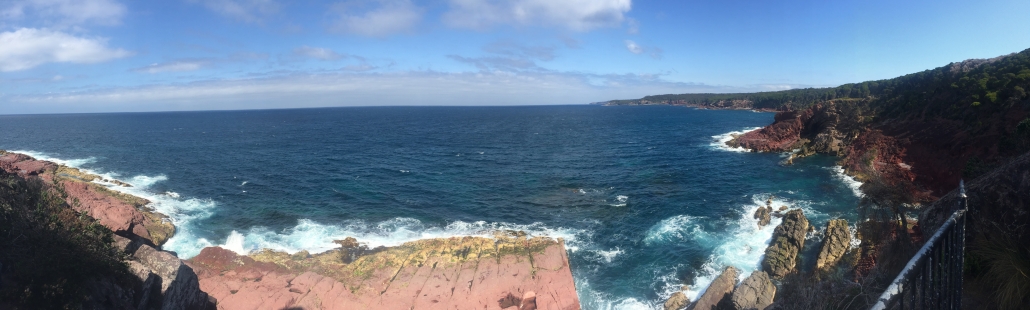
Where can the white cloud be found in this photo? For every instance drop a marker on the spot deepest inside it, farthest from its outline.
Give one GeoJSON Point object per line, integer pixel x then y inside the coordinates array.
{"type": "Point", "coordinates": [577, 15]}
{"type": "Point", "coordinates": [66, 12]}
{"type": "Point", "coordinates": [317, 53]}
{"type": "Point", "coordinates": [654, 52]}
{"type": "Point", "coordinates": [175, 66]}
{"type": "Point", "coordinates": [634, 48]}
{"type": "Point", "coordinates": [27, 47]}
{"type": "Point", "coordinates": [244, 10]}
{"type": "Point", "coordinates": [377, 18]}
{"type": "Point", "coordinates": [359, 89]}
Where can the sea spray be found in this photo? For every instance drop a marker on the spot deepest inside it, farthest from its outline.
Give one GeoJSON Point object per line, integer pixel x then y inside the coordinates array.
{"type": "Point", "coordinates": [719, 141]}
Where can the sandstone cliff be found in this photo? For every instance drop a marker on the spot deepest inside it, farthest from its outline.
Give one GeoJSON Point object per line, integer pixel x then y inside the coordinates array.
{"type": "Point", "coordinates": [157, 280]}
{"type": "Point", "coordinates": [508, 270]}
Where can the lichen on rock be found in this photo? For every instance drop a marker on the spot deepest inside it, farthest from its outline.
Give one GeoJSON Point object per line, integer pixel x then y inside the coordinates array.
{"type": "Point", "coordinates": [789, 237]}
{"type": "Point", "coordinates": [836, 241]}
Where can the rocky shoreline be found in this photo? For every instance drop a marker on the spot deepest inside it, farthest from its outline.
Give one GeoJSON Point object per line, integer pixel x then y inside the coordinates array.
{"type": "Point", "coordinates": [509, 271]}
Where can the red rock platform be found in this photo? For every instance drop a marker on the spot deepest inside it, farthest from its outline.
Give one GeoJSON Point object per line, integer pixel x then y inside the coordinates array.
{"type": "Point", "coordinates": [506, 272]}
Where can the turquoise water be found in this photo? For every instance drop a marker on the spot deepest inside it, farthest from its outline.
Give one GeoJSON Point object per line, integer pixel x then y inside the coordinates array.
{"type": "Point", "coordinates": [646, 197]}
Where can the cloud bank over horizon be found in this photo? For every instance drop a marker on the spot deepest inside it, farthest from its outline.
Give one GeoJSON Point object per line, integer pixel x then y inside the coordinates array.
{"type": "Point", "coordinates": [59, 56]}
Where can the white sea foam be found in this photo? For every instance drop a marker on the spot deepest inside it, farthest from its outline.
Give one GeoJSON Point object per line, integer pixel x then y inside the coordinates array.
{"type": "Point", "coordinates": [234, 243]}
{"type": "Point", "coordinates": [719, 141]}
{"type": "Point", "coordinates": [182, 212]}
{"type": "Point", "coordinates": [849, 181]}
{"type": "Point", "coordinates": [743, 244]}
{"type": "Point", "coordinates": [620, 201]}
{"type": "Point", "coordinates": [592, 299]}
{"type": "Point", "coordinates": [609, 255]}
{"type": "Point", "coordinates": [316, 237]}
{"type": "Point", "coordinates": [676, 229]}
{"type": "Point", "coordinates": [67, 162]}
{"type": "Point", "coordinates": [855, 241]}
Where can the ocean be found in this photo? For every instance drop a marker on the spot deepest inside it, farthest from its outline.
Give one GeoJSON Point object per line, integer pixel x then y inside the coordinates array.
{"type": "Point", "coordinates": [647, 197]}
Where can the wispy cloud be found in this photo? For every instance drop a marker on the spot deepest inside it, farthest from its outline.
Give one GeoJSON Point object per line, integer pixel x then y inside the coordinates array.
{"type": "Point", "coordinates": [317, 53]}
{"type": "Point", "coordinates": [510, 48]}
{"type": "Point", "coordinates": [367, 88]}
{"type": "Point", "coordinates": [634, 48]}
{"type": "Point", "coordinates": [576, 15]}
{"type": "Point", "coordinates": [27, 47]}
{"type": "Point", "coordinates": [654, 52]}
{"type": "Point", "coordinates": [253, 11]}
{"type": "Point", "coordinates": [377, 18]}
{"type": "Point", "coordinates": [60, 13]}
{"type": "Point", "coordinates": [174, 66]}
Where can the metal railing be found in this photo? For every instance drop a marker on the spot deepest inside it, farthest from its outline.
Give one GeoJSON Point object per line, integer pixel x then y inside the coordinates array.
{"type": "Point", "coordinates": [932, 279]}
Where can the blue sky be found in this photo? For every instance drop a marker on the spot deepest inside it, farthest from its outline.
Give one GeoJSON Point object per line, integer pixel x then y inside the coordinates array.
{"type": "Point", "coordinates": [63, 56]}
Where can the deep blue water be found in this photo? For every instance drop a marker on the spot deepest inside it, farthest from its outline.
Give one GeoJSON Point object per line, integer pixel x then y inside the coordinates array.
{"type": "Point", "coordinates": [644, 197]}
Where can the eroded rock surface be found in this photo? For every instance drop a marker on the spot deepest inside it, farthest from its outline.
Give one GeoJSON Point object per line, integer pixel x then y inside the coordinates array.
{"type": "Point", "coordinates": [718, 294]}
{"type": "Point", "coordinates": [789, 237]}
{"type": "Point", "coordinates": [453, 273]}
{"type": "Point", "coordinates": [763, 215]}
{"type": "Point", "coordinates": [677, 301]}
{"type": "Point", "coordinates": [836, 241]}
{"type": "Point", "coordinates": [123, 214]}
{"type": "Point", "coordinates": [755, 293]}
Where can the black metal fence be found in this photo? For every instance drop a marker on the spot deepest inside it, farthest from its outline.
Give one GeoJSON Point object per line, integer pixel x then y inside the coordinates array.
{"type": "Point", "coordinates": [932, 279]}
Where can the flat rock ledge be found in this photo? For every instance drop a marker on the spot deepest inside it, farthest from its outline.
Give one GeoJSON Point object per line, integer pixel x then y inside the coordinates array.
{"type": "Point", "coordinates": [509, 271]}
{"type": "Point", "coordinates": [837, 240]}
{"type": "Point", "coordinates": [789, 237]}
{"type": "Point", "coordinates": [755, 293]}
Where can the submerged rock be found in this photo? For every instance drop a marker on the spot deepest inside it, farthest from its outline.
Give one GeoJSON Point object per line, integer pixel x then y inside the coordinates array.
{"type": "Point", "coordinates": [718, 294]}
{"type": "Point", "coordinates": [755, 293]}
{"type": "Point", "coordinates": [787, 240]}
{"type": "Point", "coordinates": [837, 240]}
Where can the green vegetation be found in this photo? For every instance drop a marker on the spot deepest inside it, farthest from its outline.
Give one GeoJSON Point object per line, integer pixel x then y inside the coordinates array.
{"type": "Point", "coordinates": [997, 82]}
{"type": "Point", "coordinates": [52, 255]}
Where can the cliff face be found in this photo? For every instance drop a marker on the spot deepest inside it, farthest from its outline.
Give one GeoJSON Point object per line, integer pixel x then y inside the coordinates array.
{"type": "Point", "coordinates": [155, 279]}
{"type": "Point", "coordinates": [509, 270]}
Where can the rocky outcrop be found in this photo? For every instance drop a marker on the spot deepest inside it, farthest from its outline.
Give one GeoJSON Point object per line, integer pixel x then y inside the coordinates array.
{"type": "Point", "coordinates": [755, 293]}
{"type": "Point", "coordinates": [823, 128]}
{"type": "Point", "coordinates": [836, 241]}
{"type": "Point", "coordinates": [789, 237]}
{"type": "Point", "coordinates": [465, 273]}
{"type": "Point", "coordinates": [159, 279]}
{"type": "Point", "coordinates": [718, 294]}
{"type": "Point", "coordinates": [124, 214]}
{"type": "Point", "coordinates": [677, 301]}
{"type": "Point", "coordinates": [165, 282]}
{"type": "Point", "coordinates": [763, 215]}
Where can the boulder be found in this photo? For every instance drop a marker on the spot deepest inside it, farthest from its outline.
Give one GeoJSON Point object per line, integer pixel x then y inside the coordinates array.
{"type": "Point", "coordinates": [763, 215]}
{"type": "Point", "coordinates": [787, 240]}
{"type": "Point", "coordinates": [164, 282]}
{"type": "Point", "coordinates": [836, 241]}
{"type": "Point", "coordinates": [677, 301]}
{"type": "Point", "coordinates": [718, 294]}
{"type": "Point", "coordinates": [755, 293]}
